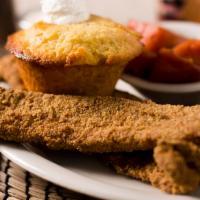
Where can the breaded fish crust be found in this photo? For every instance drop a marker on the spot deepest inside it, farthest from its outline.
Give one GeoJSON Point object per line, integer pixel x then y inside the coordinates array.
{"type": "Point", "coordinates": [164, 139]}
{"type": "Point", "coordinates": [94, 124]}
{"type": "Point", "coordinates": [173, 167]}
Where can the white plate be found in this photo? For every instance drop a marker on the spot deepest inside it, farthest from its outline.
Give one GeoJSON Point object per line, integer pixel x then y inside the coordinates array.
{"type": "Point", "coordinates": [85, 174]}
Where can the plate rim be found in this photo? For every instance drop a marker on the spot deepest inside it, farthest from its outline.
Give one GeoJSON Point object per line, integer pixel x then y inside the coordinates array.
{"type": "Point", "coordinates": [14, 152]}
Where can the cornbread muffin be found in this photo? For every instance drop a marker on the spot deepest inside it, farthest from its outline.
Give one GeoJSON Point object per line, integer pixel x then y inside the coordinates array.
{"type": "Point", "coordinates": [86, 58]}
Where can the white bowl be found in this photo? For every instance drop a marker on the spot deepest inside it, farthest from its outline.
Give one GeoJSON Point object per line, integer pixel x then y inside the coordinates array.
{"type": "Point", "coordinates": [187, 94]}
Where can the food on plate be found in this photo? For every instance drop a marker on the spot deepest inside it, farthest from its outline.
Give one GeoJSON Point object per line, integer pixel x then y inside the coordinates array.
{"type": "Point", "coordinates": [108, 125]}
{"type": "Point", "coordinates": [170, 68]}
{"type": "Point", "coordinates": [10, 75]}
{"type": "Point", "coordinates": [178, 65]}
{"type": "Point", "coordinates": [189, 49]}
{"type": "Point", "coordinates": [155, 37]}
{"type": "Point", "coordinates": [124, 95]}
{"type": "Point", "coordinates": [9, 72]}
{"type": "Point", "coordinates": [64, 11]}
{"type": "Point", "coordinates": [165, 60]}
{"type": "Point", "coordinates": [144, 140]}
{"type": "Point", "coordinates": [142, 65]}
{"type": "Point", "coordinates": [93, 124]}
{"type": "Point", "coordinates": [85, 58]}
{"type": "Point", "coordinates": [169, 167]}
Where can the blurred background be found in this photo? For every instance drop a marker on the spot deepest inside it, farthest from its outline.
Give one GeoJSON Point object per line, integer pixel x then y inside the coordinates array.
{"type": "Point", "coordinates": [142, 9]}
{"type": "Point", "coordinates": [17, 13]}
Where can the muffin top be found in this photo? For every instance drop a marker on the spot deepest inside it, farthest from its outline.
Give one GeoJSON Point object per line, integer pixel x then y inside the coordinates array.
{"type": "Point", "coordinates": [93, 42]}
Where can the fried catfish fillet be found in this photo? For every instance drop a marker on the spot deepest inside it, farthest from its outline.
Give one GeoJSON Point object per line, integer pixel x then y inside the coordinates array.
{"type": "Point", "coordinates": [93, 124]}
{"type": "Point", "coordinates": [173, 167]}
{"type": "Point", "coordinates": [111, 124]}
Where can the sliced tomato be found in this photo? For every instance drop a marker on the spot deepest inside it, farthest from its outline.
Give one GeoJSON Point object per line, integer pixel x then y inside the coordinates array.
{"type": "Point", "coordinates": [170, 68]}
{"type": "Point", "coordinates": [142, 65]}
{"type": "Point", "coordinates": [189, 49]}
{"type": "Point", "coordinates": [155, 37]}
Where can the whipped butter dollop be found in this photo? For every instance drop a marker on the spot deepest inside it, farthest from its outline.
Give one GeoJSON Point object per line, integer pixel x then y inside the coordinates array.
{"type": "Point", "coordinates": [64, 11]}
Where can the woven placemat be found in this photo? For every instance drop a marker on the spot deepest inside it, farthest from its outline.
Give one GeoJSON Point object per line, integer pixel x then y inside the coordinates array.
{"type": "Point", "coordinates": [18, 184]}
